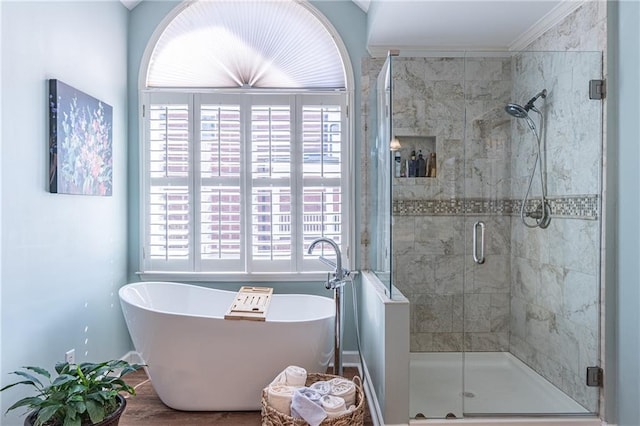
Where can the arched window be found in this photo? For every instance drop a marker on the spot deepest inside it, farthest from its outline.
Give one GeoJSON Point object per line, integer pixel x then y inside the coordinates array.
{"type": "Point", "coordinates": [246, 141]}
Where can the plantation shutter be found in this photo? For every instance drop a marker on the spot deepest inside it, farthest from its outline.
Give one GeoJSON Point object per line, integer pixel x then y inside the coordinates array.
{"type": "Point", "coordinates": [243, 184]}
{"type": "Point", "coordinates": [323, 121]}
{"type": "Point", "coordinates": [219, 167]}
{"type": "Point", "coordinates": [169, 217]}
{"type": "Point", "coordinates": [271, 160]}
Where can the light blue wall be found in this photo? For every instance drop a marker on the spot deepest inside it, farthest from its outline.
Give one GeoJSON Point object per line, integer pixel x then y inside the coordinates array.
{"type": "Point", "coordinates": [349, 21]}
{"type": "Point", "coordinates": [143, 21]}
{"type": "Point", "coordinates": [624, 113]}
{"type": "Point", "coordinates": [64, 256]}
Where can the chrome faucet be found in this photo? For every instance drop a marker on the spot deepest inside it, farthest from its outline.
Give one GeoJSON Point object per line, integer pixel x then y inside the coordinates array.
{"type": "Point", "coordinates": [337, 285]}
{"type": "Point", "coordinates": [339, 273]}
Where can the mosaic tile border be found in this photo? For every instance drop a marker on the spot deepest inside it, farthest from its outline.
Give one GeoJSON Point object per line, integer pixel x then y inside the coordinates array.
{"type": "Point", "coordinates": [571, 206]}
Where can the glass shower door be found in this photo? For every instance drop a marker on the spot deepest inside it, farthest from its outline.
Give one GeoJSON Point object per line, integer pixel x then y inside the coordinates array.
{"type": "Point", "coordinates": [531, 275]}
{"type": "Point", "coordinates": [427, 107]}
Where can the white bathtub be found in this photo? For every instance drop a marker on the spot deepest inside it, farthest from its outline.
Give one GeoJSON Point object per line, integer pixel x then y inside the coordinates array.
{"type": "Point", "coordinates": [198, 361]}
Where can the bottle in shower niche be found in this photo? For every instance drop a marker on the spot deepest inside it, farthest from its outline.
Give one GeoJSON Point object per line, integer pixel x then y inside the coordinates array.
{"type": "Point", "coordinates": [421, 165]}
{"type": "Point", "coordinates": [431, 165]}
{"type": "Point", "coordinates": [412, 164]}
{"type": "Point", "coordinates": [397, 164]}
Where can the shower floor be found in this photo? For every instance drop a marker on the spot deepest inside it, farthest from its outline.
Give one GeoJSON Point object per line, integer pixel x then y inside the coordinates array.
{"type": "Point", "coordinates": [494, 383]}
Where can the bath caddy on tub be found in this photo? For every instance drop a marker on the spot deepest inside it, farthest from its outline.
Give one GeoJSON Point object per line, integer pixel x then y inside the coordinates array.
{"type": "Point", "coordinates": [273, 417]}
{"type": "Point", "coordinates": [251, 303]}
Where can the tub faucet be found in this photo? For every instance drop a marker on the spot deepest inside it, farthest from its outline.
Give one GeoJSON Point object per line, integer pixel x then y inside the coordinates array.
{"type": "Point", "coordinates": [337, 285]}
{"type": "Point", "coordinates": [339, 273]}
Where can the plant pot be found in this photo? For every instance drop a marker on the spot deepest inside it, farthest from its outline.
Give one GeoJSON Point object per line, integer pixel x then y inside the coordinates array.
{"type": "Point", "coordinates": [110, 420]}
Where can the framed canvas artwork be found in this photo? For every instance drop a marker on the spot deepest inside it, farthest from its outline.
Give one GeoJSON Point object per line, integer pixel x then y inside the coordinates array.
{"type": "Point", "coordinates": [80, 142]}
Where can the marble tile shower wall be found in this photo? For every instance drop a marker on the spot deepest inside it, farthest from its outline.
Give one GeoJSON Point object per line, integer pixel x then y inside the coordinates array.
{"type": "Point", "coordinates": [555, 297]}
{"type": "Point", "coordinates": [555, 300]}
{"type": "Point", "coordinates": [430, 99]}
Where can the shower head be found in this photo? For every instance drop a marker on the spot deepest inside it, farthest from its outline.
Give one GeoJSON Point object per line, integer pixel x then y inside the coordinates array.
{"type": "Point", "coordinates": [519, 111]}
{"type": "Point", "coordinates": [516, 111]}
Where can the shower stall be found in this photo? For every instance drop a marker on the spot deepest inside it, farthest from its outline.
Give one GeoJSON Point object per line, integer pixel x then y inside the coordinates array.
{"type": "Point", "coordinates": [488, 220]}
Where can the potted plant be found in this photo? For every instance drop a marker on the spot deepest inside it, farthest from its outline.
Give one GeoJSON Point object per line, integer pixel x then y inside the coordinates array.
{"type": "Point", "coordinates": [83, 394]}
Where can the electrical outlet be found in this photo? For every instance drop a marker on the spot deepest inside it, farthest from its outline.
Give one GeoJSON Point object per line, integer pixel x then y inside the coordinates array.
{"type": "Point", "coordinates": [70, 356]}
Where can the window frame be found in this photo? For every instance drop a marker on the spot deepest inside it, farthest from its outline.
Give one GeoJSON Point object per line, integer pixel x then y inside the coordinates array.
{"type": "Point", "coordinates": [311, 268]}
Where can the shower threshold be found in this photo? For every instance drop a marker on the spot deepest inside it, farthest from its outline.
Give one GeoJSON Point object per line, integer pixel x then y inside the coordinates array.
{"type": "Point", "coordinates": [495, 383]}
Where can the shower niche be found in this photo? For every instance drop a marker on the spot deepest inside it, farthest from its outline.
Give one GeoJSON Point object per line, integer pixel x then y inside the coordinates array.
{"type": "Point", "coordinates": [416, 157]}
{"type": "Point", "coordinates": [524, 320]}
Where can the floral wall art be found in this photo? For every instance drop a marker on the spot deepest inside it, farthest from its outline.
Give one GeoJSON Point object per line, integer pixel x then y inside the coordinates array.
{"type": "Point", "coordinates": [80, 142]}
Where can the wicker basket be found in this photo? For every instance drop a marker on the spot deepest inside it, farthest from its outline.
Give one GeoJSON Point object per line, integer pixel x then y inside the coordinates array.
{"type": "Point", "coordinates": [273, 417]}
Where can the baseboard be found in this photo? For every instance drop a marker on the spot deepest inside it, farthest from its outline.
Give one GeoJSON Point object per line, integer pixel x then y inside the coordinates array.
{"type": "Point", "coordinates": [351, 359]}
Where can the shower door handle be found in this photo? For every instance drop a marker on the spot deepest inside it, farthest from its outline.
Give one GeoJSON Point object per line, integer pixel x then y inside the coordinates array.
{"type": "Point", "coordinates": [478, 254]}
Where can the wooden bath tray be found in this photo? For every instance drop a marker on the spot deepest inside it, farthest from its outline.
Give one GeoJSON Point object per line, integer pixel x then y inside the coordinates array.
{"type": "Point", "coordinates": [251, 303]}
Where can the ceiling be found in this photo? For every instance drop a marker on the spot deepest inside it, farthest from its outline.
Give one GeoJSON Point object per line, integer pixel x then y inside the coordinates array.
{"type": "Point", "coordinates": [455, 24]}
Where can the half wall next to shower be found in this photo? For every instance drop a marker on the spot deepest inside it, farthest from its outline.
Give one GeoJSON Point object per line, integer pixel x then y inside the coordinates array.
{"type": "Point", "coordinates": [477, 278]}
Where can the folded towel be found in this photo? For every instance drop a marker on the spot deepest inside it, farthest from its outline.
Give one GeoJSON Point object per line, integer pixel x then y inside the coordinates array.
{"type": "Point", "coordinates": [305, 404]}
{"type": "Point", "coordinates": [279, 397]}
{"type": "Point", "coordinates": [345, 389]}
{"type": "Point", "coordinates": [322, 387]}
{"type": "Point", "coordinates": [334, 406]}
{"type": "Point", "coordinates": [291, 376]}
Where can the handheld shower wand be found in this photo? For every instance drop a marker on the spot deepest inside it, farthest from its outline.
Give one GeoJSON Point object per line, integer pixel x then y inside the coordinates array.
{"type": "Point", "coordinates": [542, 214]}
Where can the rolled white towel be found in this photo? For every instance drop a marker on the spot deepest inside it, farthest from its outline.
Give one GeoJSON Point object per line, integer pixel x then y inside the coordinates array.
{"type": "Point", "coordinates": [296, 376]}
{"type": "Point", "coordinates": [322, 387]}
{"type": "Point", "coordinates": [345, 389]}
{"type": "Point", "coordinates": [333, 405]}
{"type": "Point", "coordinates": [279, 397]}
{"type": "Point", "coordinates": [305, 404]}
{"type": "Point", "coordinates": [291, 376]}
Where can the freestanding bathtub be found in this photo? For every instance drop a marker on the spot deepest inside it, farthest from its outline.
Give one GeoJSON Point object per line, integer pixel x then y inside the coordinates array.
{"type": "Point", "coordinates": [198, 361]}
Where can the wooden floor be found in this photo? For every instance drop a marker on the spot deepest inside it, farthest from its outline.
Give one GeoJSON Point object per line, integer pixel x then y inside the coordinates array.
{"type": "Point", "coordinates": [145, 409]}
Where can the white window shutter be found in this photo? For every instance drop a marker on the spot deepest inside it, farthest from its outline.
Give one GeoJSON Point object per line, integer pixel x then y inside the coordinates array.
{"type": "Point", "coordinates": [168, 218]}
{"type": "Point", "coordinates": [242, 183]}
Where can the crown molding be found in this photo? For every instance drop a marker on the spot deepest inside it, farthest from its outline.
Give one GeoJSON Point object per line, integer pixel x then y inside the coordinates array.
{"type": "Point", "coordinates": [381, 51]}
{"type": "Point", "coordinates": [130, 4]}
{"type": "Point", "coordinates": [544, 24]}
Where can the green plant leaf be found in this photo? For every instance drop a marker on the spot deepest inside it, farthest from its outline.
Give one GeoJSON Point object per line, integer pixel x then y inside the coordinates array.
{"type": "Point", "coordinates": [63, 367]}
{"type": "Point", "coordinates": [76, 398]}
{"type": "Point", "coordinates": [38, 370]}
{"type": "Point", "coordinates": [72, 421]}
{"type": "Point", "coordinates": [62, 379]}
{"type": "Point", "coordinates": [46, 413]}
{"type": "Point", "coordinates": [30, 401]}
{"type": "Point", "coordinates": [24, 382]}
{"type": "Point", "coordinates": [95, 410]}
{"type": "Point", "coordinates": [71, 411]}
